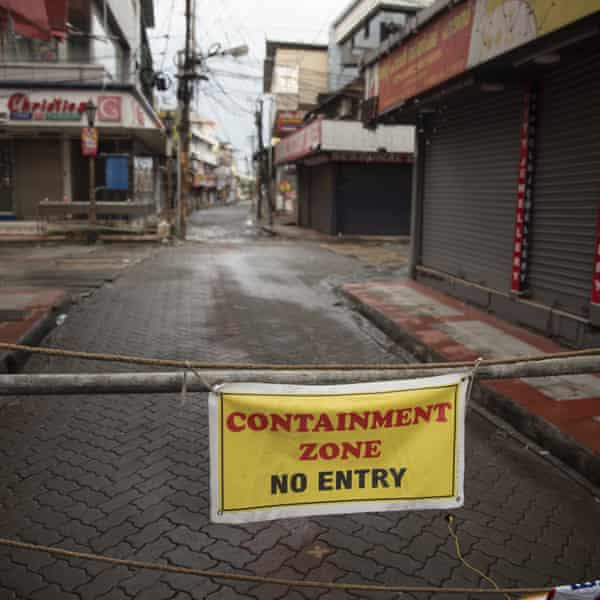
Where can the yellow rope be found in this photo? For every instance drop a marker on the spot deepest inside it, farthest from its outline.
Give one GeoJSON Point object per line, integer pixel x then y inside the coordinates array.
{"type": "Point", "coordinates": [465, 562]}
{"type": "Point", "coordinates": [136, 564]}
{"type": "Point", "coordinates": [184, 364]}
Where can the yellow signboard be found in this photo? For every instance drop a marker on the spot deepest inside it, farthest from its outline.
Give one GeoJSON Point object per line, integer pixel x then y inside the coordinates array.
{"type": "Point", "coordinates": [291, 451]}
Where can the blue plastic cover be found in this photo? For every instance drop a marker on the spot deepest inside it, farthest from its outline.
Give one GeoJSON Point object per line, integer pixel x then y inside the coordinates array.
{"type": "Point", "coordinates": [117, 172]}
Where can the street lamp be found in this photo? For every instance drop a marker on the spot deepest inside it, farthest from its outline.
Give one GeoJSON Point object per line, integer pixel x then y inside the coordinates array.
{"type": "Point", "coordinates": [90, 111]}
{"type": "Point", "coordinates": [236, 51]}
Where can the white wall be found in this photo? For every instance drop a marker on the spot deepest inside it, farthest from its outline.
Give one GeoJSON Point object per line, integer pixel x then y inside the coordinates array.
{"type": "Point", "coordinates": [352, 136]}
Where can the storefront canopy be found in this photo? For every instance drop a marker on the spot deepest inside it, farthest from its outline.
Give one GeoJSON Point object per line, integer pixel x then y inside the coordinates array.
{"type": "Point", "coordinates": [39, 19]}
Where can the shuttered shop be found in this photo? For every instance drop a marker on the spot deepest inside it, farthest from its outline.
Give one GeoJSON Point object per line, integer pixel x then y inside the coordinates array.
{"type": "Point", "coordinates": [470, 178]}
{"type": "Point", "coordinates": [374, 199]}
{"type": "Point", "coordinates": [567, 186]}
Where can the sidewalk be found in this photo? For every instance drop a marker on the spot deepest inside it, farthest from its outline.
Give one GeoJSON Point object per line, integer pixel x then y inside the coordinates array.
{"type": "Point", "coordinates": [560, 413]}
{"type": "Point", "coordinates": [26, 316]}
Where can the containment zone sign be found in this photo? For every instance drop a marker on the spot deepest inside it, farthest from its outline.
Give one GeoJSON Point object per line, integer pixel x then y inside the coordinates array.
{"type": "Point", "coordinates": [281, 451]}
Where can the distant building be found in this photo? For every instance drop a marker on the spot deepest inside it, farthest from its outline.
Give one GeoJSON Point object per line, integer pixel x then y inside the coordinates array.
{"type": "Point", "coordinates": [52, 62]}
{"type": "Point", "coordinates": [226, 173]}
{"type": "Point", "coordinates": [363, 26]}
{"type": "Point", "coordinates": [204, 160]}
{"type": "Point", "coordinates": [295, 75]}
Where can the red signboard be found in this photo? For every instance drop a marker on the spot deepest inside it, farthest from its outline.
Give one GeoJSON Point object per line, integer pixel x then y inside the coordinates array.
{"type": "Point", "coordinates": [89, 141]}
{"type": "Point", "coordinates": [436, 54]}
{"type": "Point", "coordinates": [299, 144]}
{"type": "Point", "coordinates": [22, 108]}
{"type": "Point", "coordinates": [288, 121]}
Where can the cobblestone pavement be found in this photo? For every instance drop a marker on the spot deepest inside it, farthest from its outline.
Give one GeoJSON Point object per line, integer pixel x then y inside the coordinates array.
{"type": "Point", "coordinates": [128, 475]}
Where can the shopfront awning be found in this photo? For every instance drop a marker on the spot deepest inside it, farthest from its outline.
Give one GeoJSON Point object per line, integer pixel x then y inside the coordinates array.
{"type": "Point", "coordinates": [39, 19]}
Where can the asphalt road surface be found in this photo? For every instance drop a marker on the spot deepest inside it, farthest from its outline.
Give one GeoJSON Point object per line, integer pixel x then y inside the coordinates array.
{"type": "Point", "coordinates": [127, 476]}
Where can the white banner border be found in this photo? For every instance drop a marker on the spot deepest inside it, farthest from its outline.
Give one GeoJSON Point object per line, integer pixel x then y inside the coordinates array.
{"type": "Point", "coordinates": [361, 506]}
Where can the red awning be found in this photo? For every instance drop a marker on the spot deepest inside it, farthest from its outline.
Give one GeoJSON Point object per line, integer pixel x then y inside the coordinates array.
{"type": "Point", "coordinates": [40, 19]}
{"type": "Point", "coordinates": [57, 17]}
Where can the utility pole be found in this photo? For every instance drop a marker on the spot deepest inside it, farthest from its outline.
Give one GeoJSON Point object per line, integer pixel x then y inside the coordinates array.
{"type": "Point", "coordinates": [184, 94]}
{"type": "Point", "coordinates": [261, 175]}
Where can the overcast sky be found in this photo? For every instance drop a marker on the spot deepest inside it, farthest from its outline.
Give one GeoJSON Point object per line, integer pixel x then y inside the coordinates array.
{"type": "Point", "coordinates": [230, 99]}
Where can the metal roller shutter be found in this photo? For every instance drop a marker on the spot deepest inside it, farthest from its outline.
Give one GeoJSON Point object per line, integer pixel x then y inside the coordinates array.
{"type": "Point", "coordinates": [374, 199]}
{"type": "Point", "coordinates": [471, 166]}
{"type": "Point", "coordinates": [567, 186]}
{"type": "Point", "coordinates": [322, 197]}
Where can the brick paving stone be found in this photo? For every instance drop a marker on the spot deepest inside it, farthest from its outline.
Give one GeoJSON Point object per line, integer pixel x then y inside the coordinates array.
{"type": "Point", "coordinates": [346, 561]}
{"type": "Point", "coordinates": [184, 557]}
{"type": "Point", "coordinates": [302, 534]}
{"type": "Point", "coordinates": [65, 575]}
{"type": "Point", "coordinates": [155, 550]}
{"type": "Point", "coordinates": [150, 533]}
{"type": "Point", "coordinates": [52, 592]}
{"type": "Point", "coordinates": [194, 521]}
{"type": "Point", "coordinates": [265, 539]}
{"type": "Point", "coordinates": [195, 540]}
{"type": "Point", "coordinates": [232, 535]}
{"type": "Point", "coordinates": [227, 593]}
{"type": "Point", "coordinates": [270, 561]}
{"type": "Point", "coordinates": [112, 537]}
{"type": "Point", "coordinates": [235, 555]}
{"type": "Point", "coordinates": [197, 588]}
{"type": "Point", "coordinates": [114, 594]}
{"type": "Point", "coordinates": [104, 582]}
{"type": "Point", "coordinates": [270, 591]}
{"type": "Point", "coordinates": [140, 580]}
{"type": "Point", "coordinates": [402, 561]}
{"type": "Point", "coordinates": [160, 591]}
{"type": "Point", "coordinates": [22, 581]}
{"type": "Point", "coordinates": [352, 543]}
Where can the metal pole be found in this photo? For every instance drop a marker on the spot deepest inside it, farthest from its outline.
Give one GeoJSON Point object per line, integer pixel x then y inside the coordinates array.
{"type": "Point", "coordinates": [260, 176]}
{"type": "Point", "coordinates": [155, 383]}
{"type": "Point", "coordinates": [92, 214]}
{"type": "Point", "coordinates": [185, 97]}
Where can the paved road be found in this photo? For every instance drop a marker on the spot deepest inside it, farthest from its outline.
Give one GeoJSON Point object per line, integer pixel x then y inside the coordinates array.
{"type": "Point", "coordinates": [128, 476]}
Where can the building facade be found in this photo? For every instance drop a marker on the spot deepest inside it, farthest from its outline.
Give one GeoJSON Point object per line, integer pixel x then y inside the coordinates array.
{"type": "Point", "coordinates": [295, 75]}
{"type": "Point", "coordinates": [204, 161]}
{"type": "Point", "coordinates": [351, 181]}
{"type": "Point", "coordinates": [363, 26]}
{"type": "Point", "coordinates": [86, 51]}
{"type": "Point", "coordinates": [506, 212]}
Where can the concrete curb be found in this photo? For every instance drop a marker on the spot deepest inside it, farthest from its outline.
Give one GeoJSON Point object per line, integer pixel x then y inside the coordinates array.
{"type": "Point", "coordinates": [12, 361]}
{"type": "Point", "coordinates": [534, 427]}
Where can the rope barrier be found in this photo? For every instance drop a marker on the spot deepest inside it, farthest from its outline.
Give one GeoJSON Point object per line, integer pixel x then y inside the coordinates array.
{"type": "Point", "coordinates": [184, 364]}
{"type": "Point", "coordinates": [362, 587]}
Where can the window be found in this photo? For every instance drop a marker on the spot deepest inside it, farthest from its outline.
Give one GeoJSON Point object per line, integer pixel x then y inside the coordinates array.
{"type": "Point", "coordinates": [367, 28]}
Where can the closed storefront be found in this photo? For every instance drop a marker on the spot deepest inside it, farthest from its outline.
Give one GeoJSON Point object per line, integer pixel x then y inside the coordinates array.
{"type": "Point", "coordinates": [38, 175]}
{"type": "Point", "coordinates": [567, 185]}
{"type": "Point", "coordinates": [470, 174]}
{"type": "Point", "coordinates": [322, 198]}
{"type": "Point", "coordinates": [374, 199]}
{"type": "Point", "coordinates": [351, 180]}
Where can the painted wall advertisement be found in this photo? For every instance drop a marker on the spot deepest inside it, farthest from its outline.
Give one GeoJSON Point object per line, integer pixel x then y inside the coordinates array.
{"type": "Point", "coordinates": [291, 451]}
{"type": "Point", "coordinates": [470, 34]}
